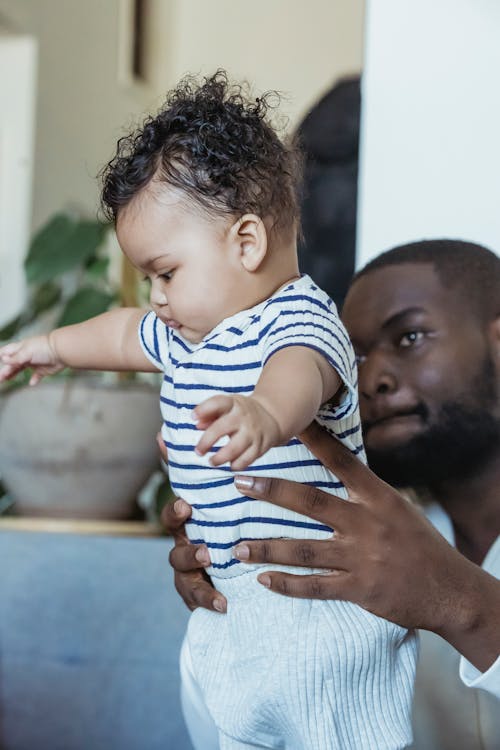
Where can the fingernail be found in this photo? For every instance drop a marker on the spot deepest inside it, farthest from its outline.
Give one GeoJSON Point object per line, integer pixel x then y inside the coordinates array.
{"type": "Point", "coordinates": [219, 605]}
{"type": "Point", "coordinates": [202, 556]}
{"type": "Point", "coordinates": [179, 508]}
{"type": "Point", "coordinates": [244, 483]}
{"type": "Point", "coordinates": [265, 580]}
{"type": "Point", "coordinates": [242, 552]}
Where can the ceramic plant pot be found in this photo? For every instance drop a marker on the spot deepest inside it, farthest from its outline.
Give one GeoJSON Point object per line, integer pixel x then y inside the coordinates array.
{"type": "Point", "coordinates": [78, 448]}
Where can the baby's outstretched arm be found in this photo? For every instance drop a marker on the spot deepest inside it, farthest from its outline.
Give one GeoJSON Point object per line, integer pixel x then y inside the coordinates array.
{"type": "Point", "coordinates": [294, 383]}
{"type": "Point", "coordinates": [106, 342]}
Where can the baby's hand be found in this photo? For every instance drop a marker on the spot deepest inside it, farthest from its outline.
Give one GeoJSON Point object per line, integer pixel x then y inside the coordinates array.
{"type": "Point", "coordinates": [251, 429]}
{"type": "Point", "coordinates": [35, 352]}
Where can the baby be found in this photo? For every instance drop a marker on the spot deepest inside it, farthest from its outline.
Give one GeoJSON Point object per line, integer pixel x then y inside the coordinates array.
{"type": "Point", "coordinates": [204, 198]}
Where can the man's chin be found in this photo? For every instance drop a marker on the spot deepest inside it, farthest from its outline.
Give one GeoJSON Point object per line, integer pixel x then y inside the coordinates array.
{"type": "Point", "coordinates": [399, 466]}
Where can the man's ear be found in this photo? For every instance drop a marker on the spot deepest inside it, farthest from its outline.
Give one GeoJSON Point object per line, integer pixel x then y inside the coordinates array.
{"type": "Point", "coordinates": [249, 236]}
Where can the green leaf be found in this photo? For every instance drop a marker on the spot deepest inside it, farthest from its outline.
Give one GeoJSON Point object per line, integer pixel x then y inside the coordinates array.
{"type": "Point", "coordinates": [46, 296]}
{"type": "Point", "coordinates": [11, 328]}
{"type": "Point", "coordinates": [62, 244]}
{"type": "Point", "coordinates": [84, 304]}
{"type": "Point", "coordinates": [97, 269]}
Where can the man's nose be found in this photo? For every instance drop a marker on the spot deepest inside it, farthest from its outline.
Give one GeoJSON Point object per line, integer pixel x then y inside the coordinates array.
{"type": "Point", "coordinates": [376, 376]}
{"type": "Point", "coordinates": [157, 297]}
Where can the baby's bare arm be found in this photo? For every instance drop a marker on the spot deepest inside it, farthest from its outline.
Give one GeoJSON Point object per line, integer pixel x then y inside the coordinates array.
{"type": "Point", "coordinates": [106, 342]}
{"type": "Point", "coordinates": [294, 383]}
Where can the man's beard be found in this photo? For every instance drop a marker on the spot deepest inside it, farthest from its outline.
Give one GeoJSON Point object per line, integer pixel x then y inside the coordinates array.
{"type": "Point", "coordinates": [464, 437]}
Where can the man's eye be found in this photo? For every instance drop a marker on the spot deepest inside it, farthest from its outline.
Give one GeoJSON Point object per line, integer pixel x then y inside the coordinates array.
{"type": "Point", "coordinates": [411, 338]}
{"type": "Point", "coordinates": [359, 359]}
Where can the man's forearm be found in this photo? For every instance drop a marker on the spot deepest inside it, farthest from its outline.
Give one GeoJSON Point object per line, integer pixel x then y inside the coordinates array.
{"type": "Point", "coordinates": [106, 342]}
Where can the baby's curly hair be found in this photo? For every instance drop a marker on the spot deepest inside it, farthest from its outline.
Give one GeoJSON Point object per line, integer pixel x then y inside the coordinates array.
{"type": "Point", "coordinates": [215, 144]}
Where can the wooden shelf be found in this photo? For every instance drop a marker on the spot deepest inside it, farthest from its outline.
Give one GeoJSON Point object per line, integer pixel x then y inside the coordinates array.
{"type": "Point", "coordinates": [80, 526]}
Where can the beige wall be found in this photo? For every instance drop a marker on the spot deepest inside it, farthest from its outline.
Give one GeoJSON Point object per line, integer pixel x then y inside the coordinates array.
{"type": "Point", "coordinates": [297, 47]}
{"type": "Point", "coordinates": [79, 105]}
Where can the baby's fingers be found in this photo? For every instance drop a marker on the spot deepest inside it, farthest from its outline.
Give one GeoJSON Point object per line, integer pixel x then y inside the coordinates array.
{"type": "Point", "coordinates": [8, 371]}
{"type": "Point", "coordinates": [36, 378]}
{"type": "Point", "coordinates": [236, 448]}
{"type": "Point", "coordinates": [9, 352]}
{"type": "Point", "coordinates": [216, 431]}
{"type": "Point", "coordinates": [211, 409]}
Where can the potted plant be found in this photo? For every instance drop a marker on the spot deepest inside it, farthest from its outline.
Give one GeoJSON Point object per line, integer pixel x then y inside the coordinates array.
{"type": "Point", "coordinates": [78, 446]}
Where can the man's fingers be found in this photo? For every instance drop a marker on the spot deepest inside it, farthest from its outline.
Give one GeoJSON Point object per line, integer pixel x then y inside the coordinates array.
{"type": "Point", "coordinates": [175, 515]}
{"type": "Point", "coordinates": [352, 472]}
{"type": "Point", "coordinates": [186, 557]}
{"type": "Point", "coordinates": [197, 591]}
{"type": "Point", "coordinates": [330, 553]}
{"type": "Point", "coordinates": [328, 586]}
{"type": "Point", "coordinates": [310, 501]}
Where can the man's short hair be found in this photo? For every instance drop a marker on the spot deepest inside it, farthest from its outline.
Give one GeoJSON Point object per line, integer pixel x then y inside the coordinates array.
{"type": "Point", "coordinates": [472, 269]}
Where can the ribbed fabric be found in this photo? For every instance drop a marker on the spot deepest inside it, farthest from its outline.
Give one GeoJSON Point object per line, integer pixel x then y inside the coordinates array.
{"type": "Point", "coordinates": [276, 672]}
{"type": "Point", "coordinates": [296, 674]}
{"type": "Point", "coordinates": [230, 360]}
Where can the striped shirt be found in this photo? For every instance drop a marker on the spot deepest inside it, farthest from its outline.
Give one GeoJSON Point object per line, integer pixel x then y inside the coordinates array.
{"type": "Point", "coordinates": [230, 360]}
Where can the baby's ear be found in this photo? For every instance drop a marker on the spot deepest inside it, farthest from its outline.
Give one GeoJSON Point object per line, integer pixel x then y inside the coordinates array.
{"type": "Point", "coordinates": [250, 236]}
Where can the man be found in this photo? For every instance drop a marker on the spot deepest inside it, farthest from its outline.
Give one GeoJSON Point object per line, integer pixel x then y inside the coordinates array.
{"type": "Point", "coordinates": [425, 323]}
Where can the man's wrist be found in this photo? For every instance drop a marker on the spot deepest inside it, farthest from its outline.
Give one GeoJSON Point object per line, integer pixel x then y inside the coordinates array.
{"type": "Point", "coordinates": [470, 624]}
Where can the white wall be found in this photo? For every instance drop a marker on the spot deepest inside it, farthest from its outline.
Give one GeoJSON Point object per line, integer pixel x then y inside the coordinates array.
{"type": "Point", "coordinates": [17, 97]}
{"type": "Point", "coordinates": [430, 158]}
{"type": "Point", "coordinates": [81, 108]}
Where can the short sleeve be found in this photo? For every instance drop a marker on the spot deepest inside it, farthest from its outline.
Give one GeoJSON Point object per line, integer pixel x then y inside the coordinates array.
{"type": "Point", "coordinates": [153, 338]}
{"type": "Point", "coordinates": [311, 320]}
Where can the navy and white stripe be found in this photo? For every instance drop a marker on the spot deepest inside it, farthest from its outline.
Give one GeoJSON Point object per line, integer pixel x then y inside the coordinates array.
{"type": "Point", "coordinates": [229, 360]}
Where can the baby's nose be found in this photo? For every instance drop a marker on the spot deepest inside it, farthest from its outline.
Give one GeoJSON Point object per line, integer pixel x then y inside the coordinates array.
{"type": "Point", "coordinates": [157, 296]}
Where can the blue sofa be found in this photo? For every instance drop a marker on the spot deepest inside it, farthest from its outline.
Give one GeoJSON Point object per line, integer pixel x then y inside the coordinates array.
{"type": "Point", "coordinates": [90, 632]}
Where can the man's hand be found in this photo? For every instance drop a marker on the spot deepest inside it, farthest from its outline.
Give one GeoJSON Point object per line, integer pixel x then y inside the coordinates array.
{"type": "Point", "coordinates": [251, 429]}
{"type": "Point", "coordinates": [36, 352]}
{"type": "Point", "coordinates": [384, 555]}
{"type": "Point", "coordinates": [189, 561]}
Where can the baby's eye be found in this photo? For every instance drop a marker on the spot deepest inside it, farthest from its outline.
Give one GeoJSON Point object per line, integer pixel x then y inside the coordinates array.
{"type": "Point", "coordinates": [167, 276]}
{"type": "Point", "coordinates": [410, 338]}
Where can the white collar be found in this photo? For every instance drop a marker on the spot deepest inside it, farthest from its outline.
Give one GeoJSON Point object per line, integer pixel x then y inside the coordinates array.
{"type": "Point", "coordinates": [442, 522]}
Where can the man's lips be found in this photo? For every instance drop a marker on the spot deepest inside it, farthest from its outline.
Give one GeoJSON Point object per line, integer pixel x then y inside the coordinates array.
{"type": "Point", "coordinates": [401, 417]}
